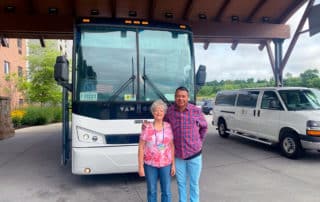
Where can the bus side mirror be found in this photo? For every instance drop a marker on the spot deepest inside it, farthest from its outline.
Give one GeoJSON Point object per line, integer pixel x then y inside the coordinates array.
{"type": "Point", "coordinates": [200, 77]}
{"type": "Point", "coordinates": [61, 72]}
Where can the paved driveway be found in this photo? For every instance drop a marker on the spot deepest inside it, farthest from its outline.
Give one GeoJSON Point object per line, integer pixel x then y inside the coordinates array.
{"type": "Point", "coordinates": [234, 170]}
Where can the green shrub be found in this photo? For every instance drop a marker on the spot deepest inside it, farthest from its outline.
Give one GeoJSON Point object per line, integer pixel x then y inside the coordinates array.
{"type": "Point", "coordinates": [36, 115]}
{"type": "Point", "coordinates": [16, 122]}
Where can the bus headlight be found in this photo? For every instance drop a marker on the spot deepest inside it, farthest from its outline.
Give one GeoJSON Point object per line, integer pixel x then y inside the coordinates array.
{"type": "Point", "coordinates": [85, 136]}
{"type": "Point", "coordinates": [313, 128]}
{"type": "Point", "coordinates": [90, 136]}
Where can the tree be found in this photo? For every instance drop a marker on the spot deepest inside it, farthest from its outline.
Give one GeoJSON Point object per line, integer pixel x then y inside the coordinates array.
{"type": "Point", "coordinates": [15, 84]}
{"type": "Point", "coordinates": [308, 76]}
{"type": "Point", "coordinates": [43, 88]}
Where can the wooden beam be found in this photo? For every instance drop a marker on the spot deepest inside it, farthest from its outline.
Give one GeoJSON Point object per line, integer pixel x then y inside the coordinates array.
{"type": "Point", "coordinates": [113, 7]}
{"type": "Point", "coordinates": [240, 30]}
{"type": "Point", "coordinates": [206, 45]}
{"type": "Point", "coordinates": [255, 10]}
{"type": "Point", "coordinates": [31, 10]}
{"type": "Point", "coordinates": [36, 26]}
{"type": "Point", "coordinates": [42, 43]}
{"type": "Point", "coordinates": [73, 6]}
{"type": "Point", "coordinates": [261, 46]}
{"type": "Point", "coordinates": [290, 10]}
{"type": "Point", "coordinates": [152, 7]}
{"type": "Point", "coordinates": [222, 10]}
{"type": "Point", "coordinates": [187, 10]}
{"type": "Point", "coordinates": [234, 45]}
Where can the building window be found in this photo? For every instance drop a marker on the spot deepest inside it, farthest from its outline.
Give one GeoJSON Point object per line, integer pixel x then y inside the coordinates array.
{"type": "Point", "coordinates": [6, 67]}
{"type": "Point", "coordinates": [19, 44]}
{"type": "Point", "coordinates": [4, 42]}
{"type": "Point", "coordinates": [20, 71]}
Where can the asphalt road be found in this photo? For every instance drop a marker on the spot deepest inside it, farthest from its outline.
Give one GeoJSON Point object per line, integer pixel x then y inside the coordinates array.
{"type": "Point", "coordinates": [234, 169]}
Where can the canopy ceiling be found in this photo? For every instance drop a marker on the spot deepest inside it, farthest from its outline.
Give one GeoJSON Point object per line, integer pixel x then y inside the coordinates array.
{"type": "Point", "coordinates": [243, 21]}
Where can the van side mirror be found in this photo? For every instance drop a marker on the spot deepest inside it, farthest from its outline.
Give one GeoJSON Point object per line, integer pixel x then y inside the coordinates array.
{"type": "Point", "coordinates": [61, 72]}
{"type": "Point", "coordinates": [201, 77]}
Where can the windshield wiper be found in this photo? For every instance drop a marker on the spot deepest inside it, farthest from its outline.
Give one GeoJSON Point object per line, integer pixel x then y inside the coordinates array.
{"type": "Point", "coordinates": [151, 84]}
{"type": "Point", "coordinates": [125, 85]}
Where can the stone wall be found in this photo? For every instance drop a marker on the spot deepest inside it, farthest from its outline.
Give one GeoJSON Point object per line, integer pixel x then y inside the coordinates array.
{"type": "Point", "coordinates": [6, 127]}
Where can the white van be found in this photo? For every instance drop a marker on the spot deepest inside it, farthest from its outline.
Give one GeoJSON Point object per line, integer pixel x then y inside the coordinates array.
{"type": "Point", "coordinates": [288, 116]}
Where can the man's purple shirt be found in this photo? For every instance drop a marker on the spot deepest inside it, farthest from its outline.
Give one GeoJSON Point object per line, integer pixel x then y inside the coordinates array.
{"type": "Point", "coordinates": [189, 129]}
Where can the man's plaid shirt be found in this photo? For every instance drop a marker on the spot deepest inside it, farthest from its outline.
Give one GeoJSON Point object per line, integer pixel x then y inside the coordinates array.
{"type": "Point", "coordinates": [189, 129]}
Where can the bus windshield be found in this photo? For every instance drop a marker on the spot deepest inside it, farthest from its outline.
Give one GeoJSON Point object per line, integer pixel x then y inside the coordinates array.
{"type": "Point", "coordinates": [132, 64]}
{"type": "Point", "coordinates": [296, 100]}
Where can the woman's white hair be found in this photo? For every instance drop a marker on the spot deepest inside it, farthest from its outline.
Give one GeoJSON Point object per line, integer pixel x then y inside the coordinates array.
{"type": "Point", "coordinates": [159, 103]}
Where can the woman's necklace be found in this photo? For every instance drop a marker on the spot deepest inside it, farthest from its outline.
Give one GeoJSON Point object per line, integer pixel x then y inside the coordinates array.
{"type": "Point", "coordinates": [160, 146]}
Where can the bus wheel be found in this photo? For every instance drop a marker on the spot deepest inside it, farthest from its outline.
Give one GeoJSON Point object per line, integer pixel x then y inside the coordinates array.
{"type": "Point", "coordinates": [290, 145]}
{"type": "Point", "coordinates": [222, 129]}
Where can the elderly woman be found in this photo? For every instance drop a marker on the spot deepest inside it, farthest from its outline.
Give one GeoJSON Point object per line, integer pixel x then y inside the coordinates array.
{"type": "Point", "coordinates": [156, 154]}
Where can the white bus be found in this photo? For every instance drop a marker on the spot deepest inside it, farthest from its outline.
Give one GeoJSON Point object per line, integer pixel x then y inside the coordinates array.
{"type": "Point", "coordinates": [119, 68]}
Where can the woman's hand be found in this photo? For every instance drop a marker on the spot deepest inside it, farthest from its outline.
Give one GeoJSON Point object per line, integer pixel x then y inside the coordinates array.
{"type": "Point", "coordinates": [141, 171]}
{"type": "Point", "coordinates": [173, 170]}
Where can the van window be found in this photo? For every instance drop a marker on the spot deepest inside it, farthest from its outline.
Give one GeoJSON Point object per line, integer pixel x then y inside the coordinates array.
{"type": "Point", "coordinates": [226, 98]}
{"type": "Point", "coordinates": [270, 101]}
{"type": "Point", "coordinates": [248, 99]}
{"type": "Point", "coordinates": [300, 99]}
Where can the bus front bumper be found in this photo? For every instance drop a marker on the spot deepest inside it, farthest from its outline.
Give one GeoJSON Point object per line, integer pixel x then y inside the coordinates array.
{"type": "Point", "coordinates": [104, 160]}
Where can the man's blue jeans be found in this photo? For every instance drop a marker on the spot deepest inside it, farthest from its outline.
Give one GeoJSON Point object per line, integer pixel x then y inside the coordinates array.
{"type": "Point", "coordinates": [152, 175]}
{"type": "Point", "coordinates": [188, 173]}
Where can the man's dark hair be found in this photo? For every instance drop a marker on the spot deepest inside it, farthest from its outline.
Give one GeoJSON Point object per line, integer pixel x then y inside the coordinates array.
{"type": "Point", "coordinates": [182, 88]}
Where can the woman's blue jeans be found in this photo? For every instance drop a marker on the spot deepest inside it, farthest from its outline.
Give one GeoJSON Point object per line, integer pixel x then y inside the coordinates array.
{"type": "Point", "coordinates": [152, 176]}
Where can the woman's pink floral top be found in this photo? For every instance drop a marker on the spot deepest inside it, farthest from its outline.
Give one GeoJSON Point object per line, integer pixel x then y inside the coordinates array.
{"type": "Point", "coordinates": [157, 150]}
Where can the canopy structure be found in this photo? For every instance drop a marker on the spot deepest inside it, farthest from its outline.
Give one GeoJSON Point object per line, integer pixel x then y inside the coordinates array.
{"type": "Point", "coordinates": [248, 21]}
{"type": "Point", "coordinates": [218, 21]}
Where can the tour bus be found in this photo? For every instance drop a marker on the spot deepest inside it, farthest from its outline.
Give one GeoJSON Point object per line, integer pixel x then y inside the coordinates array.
{"type": "Point", "coordinates": [119, 68]}
{"type": "Point", "coordinates": [287, 116]}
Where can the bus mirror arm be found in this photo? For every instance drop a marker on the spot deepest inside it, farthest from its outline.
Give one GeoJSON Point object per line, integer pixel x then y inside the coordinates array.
{"type": "Point", "coordinates": [68, 86]}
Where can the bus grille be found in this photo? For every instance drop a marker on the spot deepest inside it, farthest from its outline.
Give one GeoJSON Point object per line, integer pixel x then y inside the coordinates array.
{"type": "Point", "coordinates": [122, 139]}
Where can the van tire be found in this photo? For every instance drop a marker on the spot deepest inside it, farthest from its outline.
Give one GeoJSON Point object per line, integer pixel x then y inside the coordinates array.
{"type": "Point", "coordinates": [290, 145]}
{"type": "Point", "coordinates": [222, 129]}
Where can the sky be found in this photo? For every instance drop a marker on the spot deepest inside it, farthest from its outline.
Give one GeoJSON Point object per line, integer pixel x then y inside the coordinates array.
{"type": "Point", "coordinates": [248, 62]}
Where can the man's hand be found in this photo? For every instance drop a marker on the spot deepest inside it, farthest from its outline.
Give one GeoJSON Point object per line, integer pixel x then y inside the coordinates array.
{"type": "Point", "coordinates": [144, 124]}
{"type": "Point", "coordinates": [173, 170]}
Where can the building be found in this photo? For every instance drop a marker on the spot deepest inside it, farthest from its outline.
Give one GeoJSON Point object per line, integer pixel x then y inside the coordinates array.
{"type": "Point", "coordinates": [65, 48]}
{"type": "Point", "coordinates": [14, 65]}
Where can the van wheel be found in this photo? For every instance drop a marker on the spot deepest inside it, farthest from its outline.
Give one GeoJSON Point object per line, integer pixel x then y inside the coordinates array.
{"type": "Point", "coordinates": [222, 129]}
{"type": "Point", "coordinates": [290, 145]}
